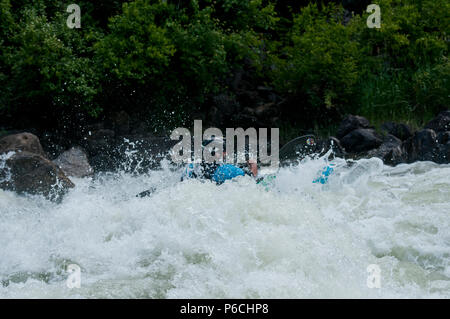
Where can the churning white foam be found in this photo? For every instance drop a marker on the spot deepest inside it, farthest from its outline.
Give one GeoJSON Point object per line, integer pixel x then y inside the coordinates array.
{"type": "Point", "coordinates": [194, 239]}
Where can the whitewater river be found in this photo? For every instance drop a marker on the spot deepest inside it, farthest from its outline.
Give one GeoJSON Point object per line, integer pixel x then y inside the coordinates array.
{"type": "Point", "coordinates": [238, 240]}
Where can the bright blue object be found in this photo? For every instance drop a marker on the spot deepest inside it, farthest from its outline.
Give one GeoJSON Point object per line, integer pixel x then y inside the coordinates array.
{"type": "Point", "coordinates": [188, 171]}
{"type": "Point", "coordinates": [323, 178]}
{"type": "Point", "coordinates": [225, 172]}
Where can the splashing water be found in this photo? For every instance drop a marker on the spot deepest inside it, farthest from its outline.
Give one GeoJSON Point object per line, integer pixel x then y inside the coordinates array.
{"type": "Point", "coordinates": [194, 239]}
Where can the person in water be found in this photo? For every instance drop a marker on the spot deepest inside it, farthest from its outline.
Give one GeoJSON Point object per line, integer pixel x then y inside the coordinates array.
{"type": "Point", "coordinates": [216, 172]}
{"type": "Point", "coordinates": [219, 172]}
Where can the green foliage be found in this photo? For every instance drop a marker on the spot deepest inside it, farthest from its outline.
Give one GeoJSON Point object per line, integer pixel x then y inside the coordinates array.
{"type": "Point", "coordinates": [406, 72]}
{"type": "Point", "coordinates": [162, 46]}
{"type": "Point", "coordinates": [323, 60]}
{"type": "Point", "coordinates": [49, 72]}
{"type": "Point", "coordinates": [399, 71]}
{"type": "Point", "coordinates": [137, 48]}
{"type": "Point", "coordinates": [167, 58]}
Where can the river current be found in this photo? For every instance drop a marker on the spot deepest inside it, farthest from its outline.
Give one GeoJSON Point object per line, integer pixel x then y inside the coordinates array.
{"type": "Point", "coordinates": [193, 239]}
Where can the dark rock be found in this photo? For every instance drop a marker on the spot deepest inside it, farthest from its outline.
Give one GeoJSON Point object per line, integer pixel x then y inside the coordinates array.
{"type": "Point", "coordinates": [391, 141]}
{"type": "Point", "coordinates": [108, 152]}
{"type": "Point", "coordinates": [400, 130]}
{"type": "Point", "coordinates": [394, 156]}
{"type": "Point", "coordinates": [422, 146]}
{"type": "Point", "coordinates": [443, 137]}
{"type": "Point", "coordinates": [351, 123]}
{"type": "Point", "coordinates": [33, 174]}
{"type": "Point", "coordinates": [52, 143]}
{"type": "Point", "coordinates": [99, 141]}
{"type": "Point", "coordinates": [100, 146]}
{"type": "Point", "coordinates": [74, 162]}
{"type": "Point", "coordinates": [333, 143]}
{"type": "Point", "coordinates": [361, 140]}
{"type": "Point", "coordinates": [443, 154]}
{"type": "Point", "coordinates": [22, 142]}
{"type": "Point", "coordinates": [120, 123]}
{"type": "Point", "coordinates": [440, 123]}
{"type": "Point", "coordinates": [390, 151]}
{"type": "Point", "coordinates": [141, 153]}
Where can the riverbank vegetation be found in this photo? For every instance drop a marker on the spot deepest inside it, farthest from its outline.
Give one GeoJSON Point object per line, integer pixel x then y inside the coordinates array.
{"type": "Point", "coordinates": [168, 62]}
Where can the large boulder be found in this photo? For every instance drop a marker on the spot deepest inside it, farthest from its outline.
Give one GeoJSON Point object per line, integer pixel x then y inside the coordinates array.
{"type": "Point", "coordinates": [108, 152]}
{"type": "Point", "coordinates": [100, 146]}
{"type": "Point", "coordinates": [323, 146]}
{"type": "Point", "coordinates": [422, 146]}
{"type": "Point", "coordinates": [26, 172]}
{"type": "Point", "coordinates": [443, 137]}
{"type": "Point", "coordinates": [74, 162]}
{"type": "Point", "coordinates": [22, 142]}
{"type": "Point", "coordinates": [351, 123]}
{"type": "Point", "coordinates": [361, 140]}
{"type": "Point", "coordinates": [399, 130]}
{"type": "Point", "coordinates": [141, 153]}
{"type": "Point", "coordinates": [443, 154]}
{"type": "Point", "coordinates": [390, 150]}
{"type": "Point", "coordinates": [440, 123]}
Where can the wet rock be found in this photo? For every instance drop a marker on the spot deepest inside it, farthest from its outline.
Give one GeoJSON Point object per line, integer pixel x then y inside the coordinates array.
{"type": "Point", "coordinates": [394, 156]}
{"type": "Point", "coordinates": [99, 141]}
{"type": "Point", "coordinates": [33, 174]}
{"type": "Point", "coordinates": [109, 152]}
{"type": "Point", "coordinates": [140, 153]}
{"type": "Point", "coordinates": [399, 130]}
{"type": "Point", "coordinates": [100, 147]}
{"type": "Point", "coordinates": [333, 143]}
{"type": "Point", "coordinates": [443, 137]}
{"type": "Point", "coordinates": [443, 154]}
{"type": "Point", "coordinates": [440, 123]}
{"type": "Point", "coordinates": [22, 142]}
{"type": "Point", "coordinates": [390, 151]}
{"type": "Point", "coordinates": [53, 144]}
{"type": "Point", "coordinates": [74, 162]}
{"type": "Point", "coordinates": [422, 146]}
{"type": "Point", "coordinates": [120, 123]}
{"type": "Point", "coordinates": [351, 123]}
{"type": "Point", "coordinates": [361, 140]}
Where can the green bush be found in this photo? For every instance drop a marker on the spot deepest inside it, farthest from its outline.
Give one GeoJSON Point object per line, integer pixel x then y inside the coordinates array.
{"type": "Point", "coordinates": [160, 47]}
{"type": "Point", "coordinates": [404, 74]}
{"type": "Point", "coordinates": [49, 72]}
{"type": "Point", "coordinates": [165, 60]}
{"type": "Point", "coordinates": [323, 62]}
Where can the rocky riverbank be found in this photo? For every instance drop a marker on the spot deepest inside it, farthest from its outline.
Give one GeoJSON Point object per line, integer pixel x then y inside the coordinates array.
{"type": "Point", "coordinates": [28, 167]}
{"type": "Point", "coordinates": [396, 143]}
